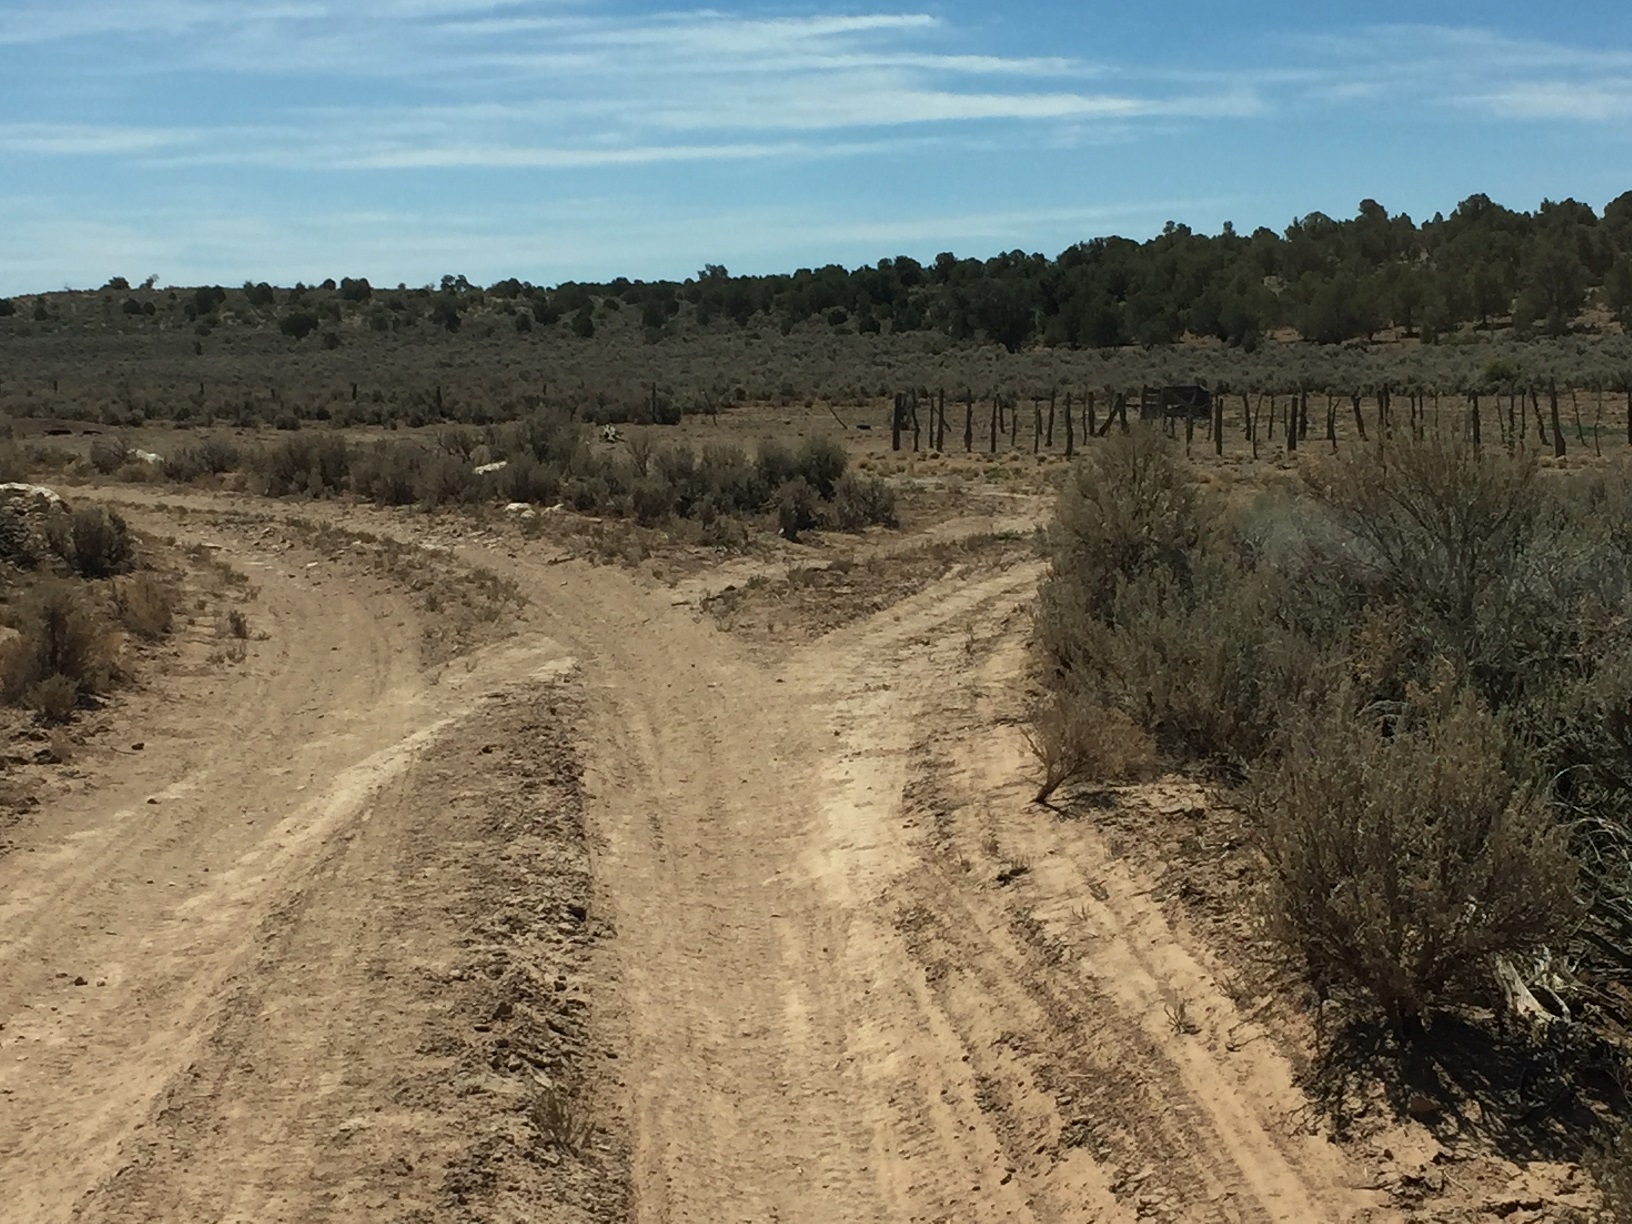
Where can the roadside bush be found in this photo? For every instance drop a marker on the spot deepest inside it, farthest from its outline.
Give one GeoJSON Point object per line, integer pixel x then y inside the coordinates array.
{"type": "Point", "coordinates": [60, 634]}
{"type": "Point", "coordinates": [821, 461]}
{"type": "Point", "coordinates": [145, 606]}
{"type": "Point", "coordinates": [776, 462]}
{"type": "Point", "coordinates": [525, 479]}
{"type": "Point", "coordinates": [54, 699]}
{"type": "Point", "coordinates": [1131, 507]}
{"type": "Point", "coordinates": [95, 542]}
{"type": "Point", "coordinates": [1437, 526]}
{"type": "Point", "coordinates": [108, 453]}
{"type": "Point", "coordinates": [209, 456]}
{"type": "Point", "coordinates": [1077, 741]}
{"type": "Point", "coordinates": [314, 464]}
{"type": "Point", "coordinates": [447, 480]}
{"type": "Point", "coordinates": [652, 501]}
{"type": "Point", "coordinates": [861, 501]}
{"type": "Point", "coordinates": [388, 473]}
{"type": "Point", "coordinates": [795, 508]}
{"type": "Point", "coordinates": [1402, 865]}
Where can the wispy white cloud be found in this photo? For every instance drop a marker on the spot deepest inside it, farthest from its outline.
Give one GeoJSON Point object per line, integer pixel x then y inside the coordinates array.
{"type": "Point", "coordinates": [562, 84]}
{"type": "Point", "coordinates": [1467, 70]}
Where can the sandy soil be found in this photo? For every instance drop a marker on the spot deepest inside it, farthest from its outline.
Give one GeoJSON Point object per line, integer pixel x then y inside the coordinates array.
{"type": "Point", "coordinates": [778, 921]}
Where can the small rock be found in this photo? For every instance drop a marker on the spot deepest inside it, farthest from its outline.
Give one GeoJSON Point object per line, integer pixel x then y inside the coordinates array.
{"type": "Point", "coordinates": [138, 746]}
{"type": "Point", "coordinates": [79, 981]}
{"type": "Point", "coordinates": [154, 802]}
{"type": "Point", "coordinates": [1422, 1107]}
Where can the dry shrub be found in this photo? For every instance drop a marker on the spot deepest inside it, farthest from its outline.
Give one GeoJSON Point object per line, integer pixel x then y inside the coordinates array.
{"type": "Point", "coordinates": [1198, 659]}
{"type": "Point", "coordinates": [234, 625]}
{"type": "Point", "coordinates": [1130, 507]}
{"type": "Point", "coordinates": [1075, 740]}
{"type": "Point", "coordinates": [95, 542]}
{"type": "Point", "coordinates": [860, 501]}
{"type": "Point", "coordinates": [108, 453]}
{"type": "Point", "coordinates": [795, 508]}
{"type": "Point", "coordinates": [1435, 525]}
{"type": "Point", "coordinates": [146, 605]}
{"type": "Point", "coordinates": [1401, 865]}
{"type": "Point", "coordinates": [54, 699]}
{"type": "Point", "coordinates": [61, 634]}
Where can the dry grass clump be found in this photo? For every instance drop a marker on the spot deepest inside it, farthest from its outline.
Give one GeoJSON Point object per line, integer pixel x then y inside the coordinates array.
{"type": "Point", "coordinates": [1077, 741]}
{"type": "Point", "coordinates": [146, 605]}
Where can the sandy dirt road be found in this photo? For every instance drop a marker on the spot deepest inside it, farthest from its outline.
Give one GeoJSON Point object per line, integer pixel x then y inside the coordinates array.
{"type": "Point", "coordinates": [804, 1013]}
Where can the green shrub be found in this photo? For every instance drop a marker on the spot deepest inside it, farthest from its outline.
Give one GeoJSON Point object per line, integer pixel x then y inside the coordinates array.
{"type": "Point", "coordinates": [447, 480]}
{"type": "Point", "coordinates": [299, 324]}
{"type": "Point", "coordinates": [1402, 865]}
{"type": "Point", "coordinates": [388, 473]}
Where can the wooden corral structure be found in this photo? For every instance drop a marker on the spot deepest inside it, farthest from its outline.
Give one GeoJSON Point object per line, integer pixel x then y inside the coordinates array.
{"type": "Point", "coordinates": [1164, 403]}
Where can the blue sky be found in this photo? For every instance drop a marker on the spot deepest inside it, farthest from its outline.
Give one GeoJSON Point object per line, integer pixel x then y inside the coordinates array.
{"type": "Point", "coordinates": [223, 140]}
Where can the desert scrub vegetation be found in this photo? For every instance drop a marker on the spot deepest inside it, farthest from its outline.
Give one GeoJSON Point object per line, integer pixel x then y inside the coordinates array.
{"type": "Point", "coordinates": [1401, 866]}
{"type": "Point", "coordinates": [1418, 660]}
{"type": "Point", "coordinates": [548, 459]}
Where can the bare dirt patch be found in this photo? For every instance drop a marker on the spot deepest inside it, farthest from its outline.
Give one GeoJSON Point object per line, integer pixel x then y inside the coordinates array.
{"type": "Point", "coordinates": [809, 601]}
{"type": "Point", "coordinates": [424, 1032]}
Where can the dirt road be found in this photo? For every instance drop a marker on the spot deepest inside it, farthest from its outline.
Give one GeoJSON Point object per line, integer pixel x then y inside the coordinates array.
{"type": "Point", "coordinates": [798, 1008]}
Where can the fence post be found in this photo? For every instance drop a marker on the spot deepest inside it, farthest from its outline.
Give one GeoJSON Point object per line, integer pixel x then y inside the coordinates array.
{"type": "Point", "coordinates": [1052, 392]}
{"type": "Point", "coordinates": [1552, 413]}
{"type": "Point", "coordinates": [895, 421]}
{"type": "Point", "coordinates": [969, 420]}
{"type": "Point", "coordinates": [1070, 428]}
{"type": "Point", "coordinates": [1477, 440]}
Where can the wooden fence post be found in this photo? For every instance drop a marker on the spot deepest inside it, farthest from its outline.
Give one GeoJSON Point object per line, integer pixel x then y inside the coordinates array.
{"type": "Point", "coordinates": [1052, 392]}
{"type": "Point", "coordinates": [1474, 397]}
{"type": "Point", "coordinates": [996, 408]}
{"type": "Point", "coordinates": [895, 421]}
{"type": "Point", "coordinates": [1036, 424]}
{"type": "Point", "coordinates": [1070, 428]}
{"type": "Point", "coordinates": [1552, 414]}
{"type": "Point", "coordinates": [969, 420]}
{"type": "Point", "coordinates": [1090, 414]}
{"type": "Point", "coordinates": [1359, 418]}
{"type": "Point", "coordinates": [1218, 423]}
